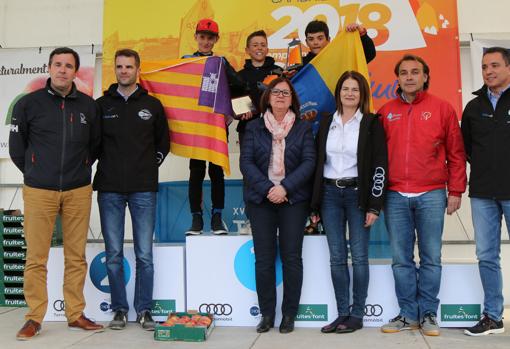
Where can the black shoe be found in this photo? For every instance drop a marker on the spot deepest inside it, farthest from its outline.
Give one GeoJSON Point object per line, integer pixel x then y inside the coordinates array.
{"type": "Point", "coordinates": [265, 324]}
{"type": "Point", "coordinates": [485, 326]}
{"type": "Point", "coordinates": [217, 226]}
{"type": "Point", "coordinates": [330, 328]}
{"type": "Point", "coordinates": [350, 325]}
{"type": "Point", "coordinates": [146, 321]}
{"type": "Point", "coordinates": [119, 320]}
{"type": "Point", "coordinates": [287, 325]}
{"type": "Point", "coordinates": [197, 225]}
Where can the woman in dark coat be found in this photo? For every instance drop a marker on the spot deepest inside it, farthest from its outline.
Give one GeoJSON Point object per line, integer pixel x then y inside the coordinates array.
{"type": "Point", "coordinates": [277, 163]}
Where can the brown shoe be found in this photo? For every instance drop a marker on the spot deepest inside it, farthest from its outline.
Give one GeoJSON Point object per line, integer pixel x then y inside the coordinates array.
{"type": "Point", "coordinates": [82, 323]}
{"type": "Point", "coordinates": [29, 330]}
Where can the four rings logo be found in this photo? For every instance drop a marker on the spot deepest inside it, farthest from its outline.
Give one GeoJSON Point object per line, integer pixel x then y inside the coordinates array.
{"type": "Point", "coordinates": [377, 187]}
{"type": "Point", "coordinates": [372, 310]}
{"type": "Point", "coordinates": [59, 305]}
{"type": "Point", "coordinates": [216, 309]}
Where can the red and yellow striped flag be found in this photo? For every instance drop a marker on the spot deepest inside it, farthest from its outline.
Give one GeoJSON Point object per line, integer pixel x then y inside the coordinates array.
{"type": "Point", "coordinates": [194, 93]}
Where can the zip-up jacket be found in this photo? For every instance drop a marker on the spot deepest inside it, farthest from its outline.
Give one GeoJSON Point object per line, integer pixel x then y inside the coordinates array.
{"type": "Point", "coordinates": [487, 141]}
{"type": "Point", "coordinates": [299, 161]}
{"type": "Point", "coordinates": [425, 147]}
{"type": "Point", "coordinates": [372, 163]}
{"type": "Point", "coordinates": [54, 140]}
{"type": "Point", "coordinates": [135, 141]}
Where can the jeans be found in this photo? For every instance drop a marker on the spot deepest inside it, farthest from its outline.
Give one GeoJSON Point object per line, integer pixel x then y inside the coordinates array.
{"type": "Point", "coordinates": [419, 217]}
{"type": "Point", "coordinates": [486, 214]}
{"type": "Point", "coordinates": [289, 221]}
{"type": "Point", "coordinates": [340, 206]}
{"type": "Point", "coordinates": [41, 209]}
{"type": "Point", "coordinates": [112, 209]}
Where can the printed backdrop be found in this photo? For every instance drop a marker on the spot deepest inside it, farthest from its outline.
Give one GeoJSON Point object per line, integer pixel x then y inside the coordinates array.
{"type": "Point", "coordinates": [165, 31]}
{"type": "Point", "coordinates": [25, 70]}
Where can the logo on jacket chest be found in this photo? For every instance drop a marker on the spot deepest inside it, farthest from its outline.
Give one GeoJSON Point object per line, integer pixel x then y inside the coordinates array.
{"type": "Point", "coordinates": [83, 119]}
{"type": "Point", "coordinates": [144, 114]}
{"type": "Point", "coordinates": [393, 117]}
{"type": "Point", "coordinates": [425, 115]}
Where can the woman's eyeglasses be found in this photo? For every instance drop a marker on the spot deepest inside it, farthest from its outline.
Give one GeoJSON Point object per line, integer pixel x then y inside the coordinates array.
{"type": "Point", "coordinates": [277, 92]}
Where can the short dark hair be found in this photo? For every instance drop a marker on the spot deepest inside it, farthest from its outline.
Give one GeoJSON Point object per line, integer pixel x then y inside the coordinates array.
{"type": "Point", "coordinates": [364, 91]}
{"type": "Point", "coordinates": [317, 26]}
{"type": "Point", "coordinates": [410, 57]}
{"type": "Point", "coordinates": [505, 53]}
{"type": "Point", "coordinates": [127, 52]}
{"type": "Point", "coordinates": [66, 50]}
{"type": "Point", "coordinates": [264, 100]}
{"type": "Point", "coordinates": [254, 34]}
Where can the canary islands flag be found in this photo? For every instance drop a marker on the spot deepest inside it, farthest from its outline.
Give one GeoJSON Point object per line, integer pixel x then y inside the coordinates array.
{"type": "Point", "coordinates": [315, 83]}
{"type": "Point", "coordinates": [195, 94]}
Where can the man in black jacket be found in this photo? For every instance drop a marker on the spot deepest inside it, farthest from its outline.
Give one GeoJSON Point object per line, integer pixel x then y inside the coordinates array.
{"type": "Point", "coordinates": [255, 70]}
{"type": "Point", "coordinates": [486, 132]}
{"type": "Point", "coordinates": [135, 141]}
{"type": "Point", "coordinates": [55, 134]}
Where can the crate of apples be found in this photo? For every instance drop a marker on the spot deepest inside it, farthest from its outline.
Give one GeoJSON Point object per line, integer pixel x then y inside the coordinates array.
{"type": "Point", "coordinates": [188, 320]}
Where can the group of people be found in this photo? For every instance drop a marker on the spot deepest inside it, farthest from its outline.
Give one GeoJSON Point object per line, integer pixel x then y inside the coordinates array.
{"type": "Point", "coordinates": [408, 159]}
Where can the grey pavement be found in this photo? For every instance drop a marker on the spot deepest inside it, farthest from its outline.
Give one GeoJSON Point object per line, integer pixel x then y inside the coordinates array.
{"type": "Point", "coordinates": [55, 335]}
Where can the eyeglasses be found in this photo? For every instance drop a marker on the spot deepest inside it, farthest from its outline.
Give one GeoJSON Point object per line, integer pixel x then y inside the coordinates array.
{"type": "Point", "coordinates": [277, 92]}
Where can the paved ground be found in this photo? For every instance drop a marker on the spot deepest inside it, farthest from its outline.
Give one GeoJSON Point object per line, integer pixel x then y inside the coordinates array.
{"type": "Point", "coordinates": [56, 335]}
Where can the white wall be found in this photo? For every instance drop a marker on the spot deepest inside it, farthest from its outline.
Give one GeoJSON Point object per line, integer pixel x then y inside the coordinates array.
{"type": "Point", "coordinates": [26, 23]}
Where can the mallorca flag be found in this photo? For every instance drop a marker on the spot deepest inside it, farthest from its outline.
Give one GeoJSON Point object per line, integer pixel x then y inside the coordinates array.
{"type": "Point", "coordinates": [315, 83]}
{"type": "Point", "coordinates": [195, 94]}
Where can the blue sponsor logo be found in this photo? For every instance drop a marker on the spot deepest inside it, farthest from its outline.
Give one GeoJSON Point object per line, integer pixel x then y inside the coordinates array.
{"type": "Point", "coordinates": [105, 306]}
{"type": "Point", "coordinates": [244, 266]}
{"type": "Point", "coordinates": [255, 311]}
{"type": "Point", "coordinates": [99, 276]}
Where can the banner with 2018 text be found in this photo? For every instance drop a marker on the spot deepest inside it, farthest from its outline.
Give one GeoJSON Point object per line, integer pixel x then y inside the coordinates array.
{"type": "Point", "coordinates": [428, 28]}
{"type": "Point", "coordinates": [25, 70]}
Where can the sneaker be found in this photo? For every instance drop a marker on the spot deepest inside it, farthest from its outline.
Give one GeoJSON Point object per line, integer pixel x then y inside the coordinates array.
{"type": "Point", "coordinates": [197, 224]}
{"type": "Point", "coordinates": [485, 326]}
{"type": "Point", "coordinates": [119, 320]}
{"type": "Point", "coordinates": [400, 323]}
{"type": "Point", "coordinates": [429, 326]}
{"type": "Point", "coordinates": [217, 226]}
{"type": "Point", "coordinates": [146, 321]}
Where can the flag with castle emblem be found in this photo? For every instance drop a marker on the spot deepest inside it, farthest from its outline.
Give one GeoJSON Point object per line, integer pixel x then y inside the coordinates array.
{"type": "Point", "coordinates": [195, 94]}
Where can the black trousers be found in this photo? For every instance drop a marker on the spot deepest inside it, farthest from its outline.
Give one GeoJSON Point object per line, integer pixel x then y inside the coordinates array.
{"type": "Point", "coordinates": [196, 180]}
{"type": "Point", "coordinates": [289, 221]}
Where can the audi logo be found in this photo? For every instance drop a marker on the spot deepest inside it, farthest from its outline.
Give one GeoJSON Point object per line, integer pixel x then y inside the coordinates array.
{"type": "Point", "coordinates": [372, 309]}
{"type": "Point", "coordinates": [377, 187]}
{"type": "Point", "coordinates": [216, 309]}
{"type": "Point", "coordinates": [59, 305]}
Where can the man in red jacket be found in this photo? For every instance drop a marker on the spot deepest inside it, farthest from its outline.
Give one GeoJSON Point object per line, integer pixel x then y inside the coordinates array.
{"type": "Point", "coordinates": [427, 175]}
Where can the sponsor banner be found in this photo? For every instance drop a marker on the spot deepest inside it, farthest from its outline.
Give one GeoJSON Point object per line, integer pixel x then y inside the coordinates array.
{"type": "Point", "coordinates": [230, 292]}
{"type": "Point", "coordinates": [427, 28]}
{"type": "Point", "coordinates": [478, 47]}
{"type": "Point", "coordinates": [25, 70]}
{"type": "Point", "coordinates": [460, 312]}
{"type": "Point", "coordinates": [168, 291]}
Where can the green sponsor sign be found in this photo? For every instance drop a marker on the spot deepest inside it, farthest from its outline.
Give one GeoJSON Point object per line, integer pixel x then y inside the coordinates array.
{"type": "Point", "coordinates": [312, 312]}
{"type": "Point", "coordinates": [162, 307]}
{"type": "Point", "coordinates": [460, 312]}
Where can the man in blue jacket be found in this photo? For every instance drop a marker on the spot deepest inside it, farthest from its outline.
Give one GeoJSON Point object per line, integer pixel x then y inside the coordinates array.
{"type": "Point", "coordinates": [135, 141]}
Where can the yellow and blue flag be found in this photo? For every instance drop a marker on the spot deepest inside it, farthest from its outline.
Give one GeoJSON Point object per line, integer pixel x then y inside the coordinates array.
{"type": "Point", "coordinates": [315, 83]}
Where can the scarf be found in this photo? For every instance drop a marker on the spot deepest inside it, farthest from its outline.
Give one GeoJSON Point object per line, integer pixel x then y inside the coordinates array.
{"type": "Point", "coordinates": [279, 131]}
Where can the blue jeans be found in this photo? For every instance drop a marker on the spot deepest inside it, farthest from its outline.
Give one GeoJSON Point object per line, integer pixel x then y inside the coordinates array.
{"type": "Point", "coordinates": [112, 210]}
{"type": "Point", "coordinates": [340, 206]}
{"type": "Point", "coordinates": [487, 215]}
{"type": "Point", "coordinates": [420, 217]}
